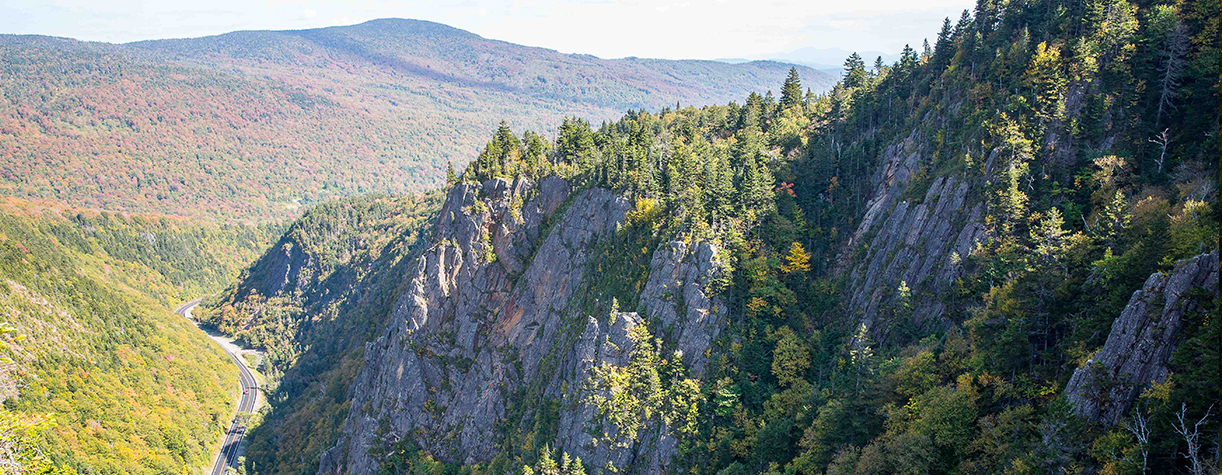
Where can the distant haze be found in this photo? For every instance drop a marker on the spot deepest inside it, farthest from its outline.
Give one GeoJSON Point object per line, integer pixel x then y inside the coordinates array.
{"type": "Point", "coordinates": [610, 29]}
{"type": "Point", "coordinates": [826, 59]}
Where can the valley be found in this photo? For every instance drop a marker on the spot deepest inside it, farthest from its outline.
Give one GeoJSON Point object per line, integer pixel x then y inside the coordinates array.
{"type": "Point", "coordinates": [455, 255]}
{"type": "Point", "coordinates": [248, 401]}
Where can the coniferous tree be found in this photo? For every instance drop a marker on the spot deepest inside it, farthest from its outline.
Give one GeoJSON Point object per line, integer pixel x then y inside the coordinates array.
{"type": "Point", "coordinates": [963, 28]}
{"type": "Point", "coordinates": [791, 90]}
{"type": "Point", "coordinates": [854, 71]}
{"type": "Point", "coordinates": [945, 35]}
{"type": "Point", "coordinates": [451, 177]}
{"type": "Point", "coordinates": [908, 57]}
{"type": "Point", "coordinates": [942, 46]}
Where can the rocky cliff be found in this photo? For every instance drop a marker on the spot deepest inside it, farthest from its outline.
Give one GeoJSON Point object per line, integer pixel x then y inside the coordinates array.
{"type": "Point", "coordinates": [490, 324]}
{"type": "Point", "coordinates": [915, 241]}
{"type": "Point", "coordinates": [1141, 340]}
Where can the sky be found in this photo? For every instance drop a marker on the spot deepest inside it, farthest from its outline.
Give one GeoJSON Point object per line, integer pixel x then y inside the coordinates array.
{"type": "Point", "coordinates": [669, 29]}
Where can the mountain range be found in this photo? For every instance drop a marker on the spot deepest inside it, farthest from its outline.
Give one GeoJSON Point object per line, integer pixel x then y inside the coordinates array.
{"type": "Point", "coordinates": [253, 124]}
{"type": "Point", "coordinates": [829, 60]}
{"type": "Point", "coordinates": [998, 254]}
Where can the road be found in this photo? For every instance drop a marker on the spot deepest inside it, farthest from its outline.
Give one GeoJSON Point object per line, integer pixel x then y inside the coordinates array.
{"type": "Point", "coordinates": [228, 457]}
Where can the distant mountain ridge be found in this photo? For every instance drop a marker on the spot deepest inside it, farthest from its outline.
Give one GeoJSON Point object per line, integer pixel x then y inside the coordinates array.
{"type": "Point", "coordinates": [252, 124]}
{"type": "Point", "coordinates": [823, 59]}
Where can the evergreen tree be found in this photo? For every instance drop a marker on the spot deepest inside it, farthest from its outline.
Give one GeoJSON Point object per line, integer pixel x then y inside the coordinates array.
{"type": "Point", "coordinates": [963, 28]}
{"type": "Point", "coordinates": [751, 112]}
{"type": "Point", "coordinates": [854, 71]}
{"type": "Point", "coordinates": [757, 184]}
{"type": "Point", "coordinates": [908, 57]}
{"type": "Point", "coordinates": [791, 90]}
{"type": "Point", "coordinates": [943, 46]}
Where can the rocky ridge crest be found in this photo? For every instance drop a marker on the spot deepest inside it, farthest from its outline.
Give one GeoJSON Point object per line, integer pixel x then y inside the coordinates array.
{"type": "Point", "coordinates": [489, 315]}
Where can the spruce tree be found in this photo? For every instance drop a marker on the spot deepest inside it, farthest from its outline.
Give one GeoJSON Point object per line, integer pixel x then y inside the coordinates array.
{"type": "Point", "coordinates": [908, 57]}
{"type": "Point", "coordinates": [942, 46]}
{"type": "Point", "coordinates": [791, 90]}
{"type": "Point", "coordinates": [962, 28]}
{"type": "Point", "coordinates": [854, 71]}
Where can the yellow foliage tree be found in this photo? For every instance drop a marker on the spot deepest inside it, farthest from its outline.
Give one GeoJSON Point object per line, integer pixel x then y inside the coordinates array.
{"type": "Point", "coordinates": [797, 259]}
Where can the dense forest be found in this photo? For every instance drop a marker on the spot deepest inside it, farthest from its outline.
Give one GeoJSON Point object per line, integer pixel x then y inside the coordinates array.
{"type": "Point", "coordinates": [99, 376]}
{"type": "Point", "coordinates": [255, 125]}
{"type": "Point", "coordinates": [1082, 132]}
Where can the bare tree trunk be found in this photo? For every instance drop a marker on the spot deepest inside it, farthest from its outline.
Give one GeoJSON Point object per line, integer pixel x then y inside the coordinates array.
{"type": "Point", "coordinates": [1140, 428]}
{"type": "Point", "coordinates": [1192, 437]}
{"type": "Point", "coordinates": [1162, 140]}
{"type": "Point", "coordinates": [1174, 48]}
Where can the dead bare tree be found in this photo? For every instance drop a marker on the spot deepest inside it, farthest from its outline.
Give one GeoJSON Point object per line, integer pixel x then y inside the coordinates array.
{"type": "Point", "coordinates": [1174, 49]}
{"type": "Point", "coordinates": [1192, 437]}
{"type": "Point", "coordinates": [1162, 140]}
{"type": "Point", "coordinates": [1139, 426]}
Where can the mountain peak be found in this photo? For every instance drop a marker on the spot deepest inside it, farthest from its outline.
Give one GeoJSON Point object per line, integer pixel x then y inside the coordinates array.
{"type": "Point", "coordinates": [408, 26]}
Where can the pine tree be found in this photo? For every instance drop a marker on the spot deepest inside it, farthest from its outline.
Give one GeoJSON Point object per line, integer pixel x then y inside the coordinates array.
{"type": "Point", "coordinates": [962, 29]}
{"type": "Point", "coordinates": [751, 112]}
{"type": "Point", "coordinates": [1172, 35]}
{"type": "Point", "coordinates": [451, 177]}
{"type": "Point", "coordinates": [757, 186]}
{"type": "Point", "coordinates": [791, 90]}
{"type": "Point", "coordinates": [944, 37]}
{"type": "Point", "coordinates": [908, 57]}
{"type": "Point", "coordinates": [942, 47]}
{"type": "Point", "coordinates": [854, 71]}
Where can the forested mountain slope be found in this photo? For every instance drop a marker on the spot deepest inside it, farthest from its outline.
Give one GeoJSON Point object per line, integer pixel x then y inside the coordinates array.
{"type": "Point", "coordinates": [114, 382]}
{"type": "Point", "coordinates": [311, 302]}
{"type": "Point", "coordinates": [252, 124]}
{"type": "Point", "coordinates": [997, 255]}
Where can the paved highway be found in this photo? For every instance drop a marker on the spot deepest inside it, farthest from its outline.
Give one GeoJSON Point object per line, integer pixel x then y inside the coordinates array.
{"type": "Point", "coordinates": [250, 387]}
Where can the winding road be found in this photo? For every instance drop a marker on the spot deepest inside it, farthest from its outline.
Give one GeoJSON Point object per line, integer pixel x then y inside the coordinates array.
{"type": "Point", "coordinates": [250, 386]}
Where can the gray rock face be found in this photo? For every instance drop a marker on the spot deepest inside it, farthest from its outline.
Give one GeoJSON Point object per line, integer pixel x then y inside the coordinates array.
{"type": "Point", "coordinates": [598, 345]}
{"type": "Point", "coordinates": [1141, 341]}
{"type": "Point", "coordinates": [914, 243]}
{"type": "Point", "coordinates": [286, 268]}
{"type": "Point", "coordinates": [677, 294]}
{"type": "Point", "coordinates": [488, 310]}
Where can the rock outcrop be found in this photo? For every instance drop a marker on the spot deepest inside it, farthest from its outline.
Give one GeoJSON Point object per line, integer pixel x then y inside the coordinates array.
{"type": "Point", "coordinates": [678, 296]}
{"type": "Point", "coordinates": [489, 310]}
{"type": "Point", "coordinates": [1141, 341]}
{"type": "Point", "coordinates": [286, 264]}
{"type": "Point", "coordinates": [915, 243]}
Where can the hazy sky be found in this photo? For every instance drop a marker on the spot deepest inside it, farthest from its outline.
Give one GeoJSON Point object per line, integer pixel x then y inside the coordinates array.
{"type": "Point", "coordinates": [610, 29]}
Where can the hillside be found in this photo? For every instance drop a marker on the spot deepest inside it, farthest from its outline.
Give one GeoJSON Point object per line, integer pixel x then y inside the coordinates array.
{"type": "Point", "coordinates": [996, 255]}
{"type": "Point", "coordinates": [311, 302]}
{"type": "Point", "coordinates": [253, 124]}
{"type": "Point", "coordinates": [111, 381]}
